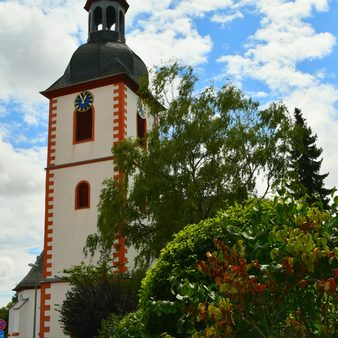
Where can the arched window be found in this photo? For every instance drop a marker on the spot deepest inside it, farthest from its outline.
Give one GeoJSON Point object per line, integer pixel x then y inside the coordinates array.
{"type": "Point", "coordinates": [98, 18]}
{"type": "Point", "coordinates": [141, 130]}
{"type": "Point", "coordinates": [82, 195]}
{"type": "Point", "coordinates": [84, 126]}
{"type": "Point", "coordinates": [121, 22]}
{"type": "Point", "coordinates": [111, 18]}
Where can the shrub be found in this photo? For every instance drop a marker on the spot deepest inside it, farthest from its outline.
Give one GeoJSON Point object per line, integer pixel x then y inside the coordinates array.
{"type": "Point", "coordinates": [95, 293]}
{"type": "Point", "coordinates": [131, 326]}
{"type": "Point", "coordinates": [263, 269]}
{"type": "Point", "coordinates": [108, 326]}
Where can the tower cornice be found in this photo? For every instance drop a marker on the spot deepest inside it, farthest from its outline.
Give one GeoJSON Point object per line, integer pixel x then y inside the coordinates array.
{"type": "Point", "coordinates": [78, 87]}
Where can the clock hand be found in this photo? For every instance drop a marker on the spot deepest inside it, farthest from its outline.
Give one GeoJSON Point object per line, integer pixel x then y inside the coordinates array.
{"type": "Point", "coordinates": [80, 96]}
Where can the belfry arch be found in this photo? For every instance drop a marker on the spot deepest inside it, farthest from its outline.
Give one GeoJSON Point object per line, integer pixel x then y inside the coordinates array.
{"type": "Point", "coordinates": [108, 16]}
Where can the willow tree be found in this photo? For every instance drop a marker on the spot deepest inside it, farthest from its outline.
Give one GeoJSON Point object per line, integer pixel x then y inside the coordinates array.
{"type": "Point", "coordinates": [207, 150]}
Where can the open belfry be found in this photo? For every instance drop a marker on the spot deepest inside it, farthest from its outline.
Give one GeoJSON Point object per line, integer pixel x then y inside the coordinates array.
{"type": "Point", "coordinates": [92, 106]}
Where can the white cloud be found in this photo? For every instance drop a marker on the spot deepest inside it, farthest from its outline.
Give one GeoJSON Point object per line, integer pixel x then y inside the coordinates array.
{"type": "Point", "coordinates": [165, 30]}
{"type": "Point", "coordinates": [3, 112]}
{"type": "Point", "coordinates": [225, 18]}
{"type": "Point", "coordinates": [38, 48]}
{"type": "Point", "coordinates": [273, 55]}
{"type": "Point", "coordinates": [40, 37]}
{"type": "Point", "coordinates": [20, 170]}
{"type": "Point", "coordinates": [182, 7]}
{"type": "Point", "coordinates": [318, 107]}
{"type": "Point", "coordinates": [21, 211]}
{"type": "Point", "coordinates": [158, 47]}
{"type": "Point", "coordinates": [13, 268]}
{"type": "Point", "coordinates": [201, 7]}
{"type": "Point", "coordinates": [6, 266]}
{"type": "Point", "coordinates": [169, 34]}
{"type": "Point", "coordinates": [279, 11]}
{"type": "Point", "coordinates": [280, 45]}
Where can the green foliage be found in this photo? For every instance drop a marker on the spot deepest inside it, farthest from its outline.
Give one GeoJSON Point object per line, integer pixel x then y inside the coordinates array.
{"type": "Point", "coordinates": [207, 148]}
{"type": "Point", "coordinates": [305, 177]}
{"type": "Point", "coordinates": [95, 294]}
{"type": "Point", "coordinates": [261, 269]}
{"type": "Point", "coordinates": [4, 313]}
{"type": "Point", "coordinates": [108, 326]}
{"type": "Point", "coordinates": [129, 326]}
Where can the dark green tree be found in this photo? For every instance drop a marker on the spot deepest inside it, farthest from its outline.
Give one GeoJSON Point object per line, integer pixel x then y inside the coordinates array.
{"type": "Point", "coordinates": [95, 294]}
{"type": "Point", "coordinates": [206, 151]}
{"type": "Point", "coordinates": [304, 174]}
{"type": "Point", "coordinates": [4, 313]}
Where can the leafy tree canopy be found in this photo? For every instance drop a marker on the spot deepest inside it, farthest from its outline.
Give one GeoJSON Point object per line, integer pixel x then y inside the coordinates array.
{"type": "Point", "coordinates": [305, 177]}
{"type": "Point", "coordinates": [207, 150]}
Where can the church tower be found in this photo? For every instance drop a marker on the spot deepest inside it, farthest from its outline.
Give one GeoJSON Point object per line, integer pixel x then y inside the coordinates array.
{"type": "Point", "coordinates": [92, 106]}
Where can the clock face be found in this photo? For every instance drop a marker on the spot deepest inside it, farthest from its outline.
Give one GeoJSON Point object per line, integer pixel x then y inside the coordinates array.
{"type": "Point", "coordinates": [84, 101]}
{"type": "Point", "coordinates": [140, 109]}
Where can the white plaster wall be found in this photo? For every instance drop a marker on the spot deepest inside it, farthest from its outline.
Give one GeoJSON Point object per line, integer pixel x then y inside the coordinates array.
{"type": "Point", "coordinates": [131, 255]}
{"type": "Point", "coordinates": [66, 151]}
{"type": "Point", "coordinates": [58, 295]}
{"type": "Point", "coordinates": [13, 321]}
{"type": "Point", "coordinates": [71, 227]}
{"type": "Point", "coordinates": [132, 100]}
{"type": "Point", "coordinates": [21, 320]}
{"type": "Point", "coordinates": [131, 112]}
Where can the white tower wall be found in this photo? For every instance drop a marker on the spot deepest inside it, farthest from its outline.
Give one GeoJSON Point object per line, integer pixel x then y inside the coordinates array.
{"type": "Point", "coordinates": [66, 227]}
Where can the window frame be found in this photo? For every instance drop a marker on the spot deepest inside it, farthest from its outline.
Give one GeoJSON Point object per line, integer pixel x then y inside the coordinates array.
{"type": "Point", "coordinates": [77, 196]}
{"type": "Point", "coordinates": [141, 141]}
{"type": "Point", "coordinates": [91, 139]}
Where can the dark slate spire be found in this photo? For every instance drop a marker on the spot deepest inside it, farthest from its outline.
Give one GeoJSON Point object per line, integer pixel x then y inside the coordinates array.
{"type": "Point", "coordinates": [106, 53]}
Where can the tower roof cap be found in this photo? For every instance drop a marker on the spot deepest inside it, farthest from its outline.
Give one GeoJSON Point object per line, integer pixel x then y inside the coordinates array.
{"type": "Point", "coordinates": [105, 55]}
{"type": "Point", "coordinates": [123, 3]}
{"type": "Point", "coordinates": [97, 60]}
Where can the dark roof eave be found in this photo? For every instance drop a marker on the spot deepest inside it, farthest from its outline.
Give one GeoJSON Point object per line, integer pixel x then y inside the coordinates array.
{"type": "Point", "coordinates": [27, 286]}
{"type": "Point", "coordinates": [84, 85]}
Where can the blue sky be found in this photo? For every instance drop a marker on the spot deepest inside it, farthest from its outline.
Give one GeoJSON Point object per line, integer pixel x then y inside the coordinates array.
{"type": "Point", "coordinates": [274, 50]}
